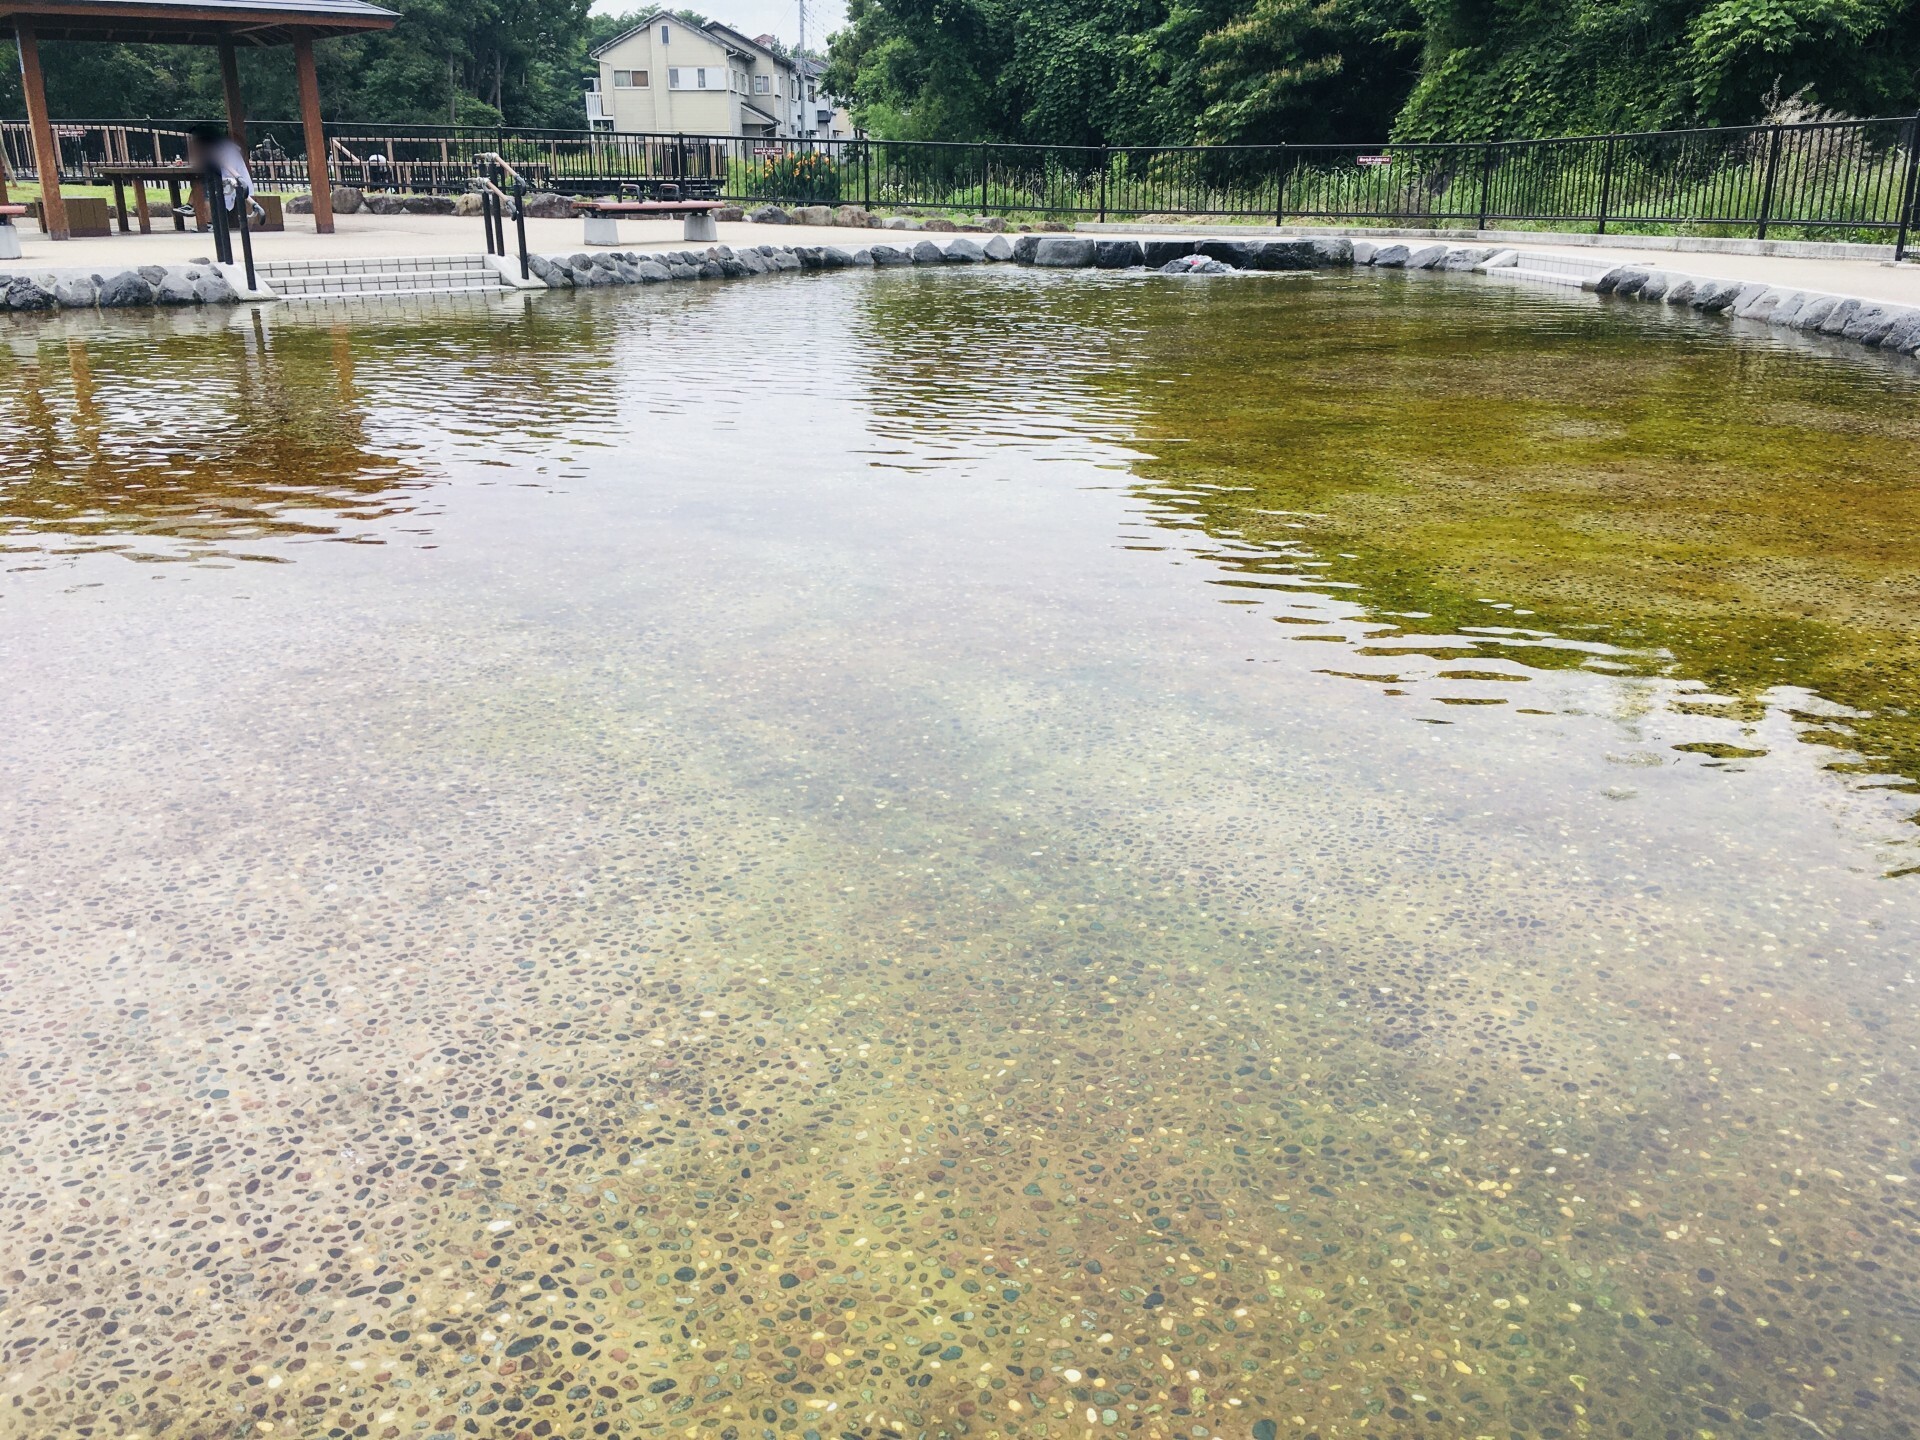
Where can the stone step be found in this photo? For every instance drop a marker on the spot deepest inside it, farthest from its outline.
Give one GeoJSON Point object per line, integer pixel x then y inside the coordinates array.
{"type": "Point", "coordinates": [1538, 277]}
{"type": "Point", "coordinates": [385, 293]}
{"type": "Point", "coordinates": [370, 265]}
{"type": "Point", "coordinates": [388, 282]}
{"type": "Point", "coordinates": [387, 277]}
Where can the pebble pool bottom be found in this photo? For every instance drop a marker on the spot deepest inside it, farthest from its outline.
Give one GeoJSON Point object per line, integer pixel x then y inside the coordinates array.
{"type": "Point", "coordinates": [969, 854]}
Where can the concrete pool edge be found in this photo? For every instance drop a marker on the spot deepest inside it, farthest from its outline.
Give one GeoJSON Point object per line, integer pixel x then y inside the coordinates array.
{"type": "Point", "coordinates": [1872, 323]}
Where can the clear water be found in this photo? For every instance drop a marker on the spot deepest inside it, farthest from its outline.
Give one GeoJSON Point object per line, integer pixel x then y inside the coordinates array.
{"type": "Point", "coordinates": [964, 854]}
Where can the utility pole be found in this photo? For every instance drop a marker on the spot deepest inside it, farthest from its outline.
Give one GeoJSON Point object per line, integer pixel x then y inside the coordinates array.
{"type": "Point", "coordinates": [800, 75]}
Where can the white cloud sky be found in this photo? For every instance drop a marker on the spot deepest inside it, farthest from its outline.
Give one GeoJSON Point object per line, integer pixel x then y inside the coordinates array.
{"type": "Point", "coordinates": [754, 17]}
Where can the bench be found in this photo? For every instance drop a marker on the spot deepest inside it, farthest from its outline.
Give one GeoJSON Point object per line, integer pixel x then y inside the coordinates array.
{"type": "Point", "coordinates": [603, 217]}
{"type": "Point", "coordinates": [10, 237]}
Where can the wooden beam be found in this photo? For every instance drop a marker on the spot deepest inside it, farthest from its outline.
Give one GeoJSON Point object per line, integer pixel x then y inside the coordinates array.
{"type": "Point", "coordinates": [230, 83]}
{"type": "Point", "coordinates": [46, 149]}
{"type": "Point", "coordinates": [101, 16]}
{"type": "Point", "coordinates": [317, 179]}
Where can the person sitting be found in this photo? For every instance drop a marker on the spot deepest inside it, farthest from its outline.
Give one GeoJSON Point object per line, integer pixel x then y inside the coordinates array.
{"type": "Point", "coordinates": [211, 150]}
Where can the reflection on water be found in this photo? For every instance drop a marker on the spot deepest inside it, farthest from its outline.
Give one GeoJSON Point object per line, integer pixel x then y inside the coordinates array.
{"type": "Point", "coordinates": [919, 855]}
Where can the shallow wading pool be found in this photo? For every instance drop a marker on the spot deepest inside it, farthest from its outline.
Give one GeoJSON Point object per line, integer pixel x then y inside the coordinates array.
{"type": "Point", "coordinates": [985, 852]}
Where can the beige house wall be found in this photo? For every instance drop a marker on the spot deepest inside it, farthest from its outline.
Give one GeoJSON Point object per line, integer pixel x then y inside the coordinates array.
{"type": "Point", "coordinates": [658, 108]}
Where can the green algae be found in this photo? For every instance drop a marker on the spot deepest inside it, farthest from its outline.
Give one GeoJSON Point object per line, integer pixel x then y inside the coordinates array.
{"type": "Point", "coordinates": [1740, 517]}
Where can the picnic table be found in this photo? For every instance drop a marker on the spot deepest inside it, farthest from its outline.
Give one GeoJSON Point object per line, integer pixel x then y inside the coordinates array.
{"type": "Point", "coordinates": [139, 177]}
{"type": "Point", "coordinates": [603, 217]}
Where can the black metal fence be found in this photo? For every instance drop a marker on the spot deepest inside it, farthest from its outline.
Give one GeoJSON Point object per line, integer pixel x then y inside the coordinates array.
{"type": "Point", "coordinates": [1852, 179]}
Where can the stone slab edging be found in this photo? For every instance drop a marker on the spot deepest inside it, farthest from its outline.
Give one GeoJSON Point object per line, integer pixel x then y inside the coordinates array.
{"type": "Point", "coordinates": [583, 269]}
{"type": "Point", "coordinates": [1877, 324]}
{"type": "Point", "coordinates": [198, 282]}
{"type": "Point", "coordinates": [1706, 245]}
{"type": "Point", "coordinates": [1873, 324]}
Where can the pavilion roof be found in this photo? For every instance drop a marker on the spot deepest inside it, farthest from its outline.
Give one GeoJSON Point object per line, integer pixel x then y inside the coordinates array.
{"type": "Point", "coordinates": [196, 22]}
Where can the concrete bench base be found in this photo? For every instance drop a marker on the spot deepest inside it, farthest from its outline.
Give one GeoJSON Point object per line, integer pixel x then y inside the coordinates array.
{"type": "Point", "coordinates": [9, 241]}
{"type": "Point", "coordinates": [605, 229]}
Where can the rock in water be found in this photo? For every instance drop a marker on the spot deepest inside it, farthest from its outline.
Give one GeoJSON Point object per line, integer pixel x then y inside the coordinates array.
{"type": "Point", "coordinates": [1062, 252]}
{"type": "Point", "coordinates": [125, 289]}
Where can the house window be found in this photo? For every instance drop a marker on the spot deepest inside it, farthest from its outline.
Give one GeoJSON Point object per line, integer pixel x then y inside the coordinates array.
{"type": "Point", "coordinates": [761, 84]}
{"type": "Point", "coordinates": [629, 79]}
{"type": "Point", "coordinates": [694, 77]}
{"type": "Point", "coordinates": [664, 33]}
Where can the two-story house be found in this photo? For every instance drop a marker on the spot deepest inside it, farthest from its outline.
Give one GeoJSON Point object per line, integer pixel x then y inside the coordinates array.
{"type": "Point", "coordinates": [665, 77]}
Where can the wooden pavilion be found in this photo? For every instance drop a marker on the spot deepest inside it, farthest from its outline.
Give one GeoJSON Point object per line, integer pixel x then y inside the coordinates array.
{"type": "Point", "coordinates": [227, 24]}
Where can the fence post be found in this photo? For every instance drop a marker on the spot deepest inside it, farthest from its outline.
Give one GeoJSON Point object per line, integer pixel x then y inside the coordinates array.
{"type": "Point", "coordinates": [1280, 187]}
{"type": "Point", "coordinates": [983, 178]}
{"type": "Point", "coordinates": [1766, 188]}
{"type": "Point", "coordinates": [1486, 182]}
{"type": "Point", "coordinates": [1106, 168]}
{"type": "Point", "coordinates": [866, 175]}
{"type": "Point", "coordinates": [1910, 197]}
{"type": "Point", "coordinates": [1606, 183]}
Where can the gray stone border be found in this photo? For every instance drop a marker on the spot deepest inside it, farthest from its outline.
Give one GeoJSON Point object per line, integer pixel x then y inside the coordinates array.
{"type": "Point", "coordinates": [584, 269]}
{"type": "Point", "coordinates": [199, 282]}
{"type": "Point", "coordinates": [1878, 325]}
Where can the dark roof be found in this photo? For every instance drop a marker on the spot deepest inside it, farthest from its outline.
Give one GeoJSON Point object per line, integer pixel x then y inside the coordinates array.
{"type": "Point", "coordinates": [197, 22]}
{"type": "Point", "coordinates": [715, 27]}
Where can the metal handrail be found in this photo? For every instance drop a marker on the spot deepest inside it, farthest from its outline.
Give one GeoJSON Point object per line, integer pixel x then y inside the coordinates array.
{"type": "Point", "coordinates": [493, 201]}
{"type": "Point", "coordinates": [493, 158]}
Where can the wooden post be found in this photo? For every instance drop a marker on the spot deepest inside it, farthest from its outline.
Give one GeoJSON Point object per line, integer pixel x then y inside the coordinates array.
{"type": "Point", "coordinates": [230, 82]}
{"type": "Point", "coordinates": [316, 134]}
{"type": "Point", "coordinates": [46, 149]}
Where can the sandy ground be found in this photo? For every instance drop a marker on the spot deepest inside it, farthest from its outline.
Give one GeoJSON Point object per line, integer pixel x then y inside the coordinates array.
{"type": "Point", "coordinates": [391, 235]}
